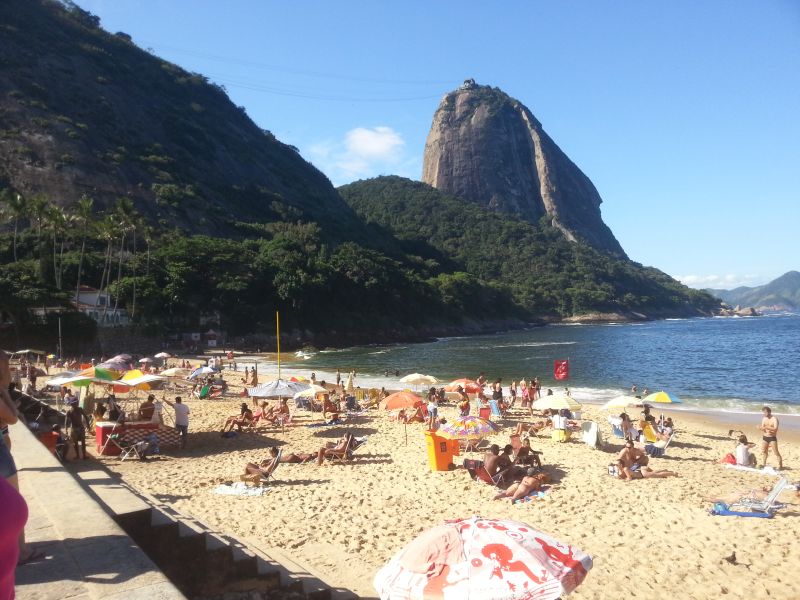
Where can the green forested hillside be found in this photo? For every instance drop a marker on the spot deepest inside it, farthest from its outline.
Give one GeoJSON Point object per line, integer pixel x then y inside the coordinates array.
{"type": "Point", "coordinates": [545, 274]}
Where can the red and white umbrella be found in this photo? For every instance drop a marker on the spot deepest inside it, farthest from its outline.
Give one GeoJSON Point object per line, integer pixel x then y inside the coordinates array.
{"type": "Point", "coordinates": [483, 559]}
{"type": "Point", "coordinates": [468, 385]}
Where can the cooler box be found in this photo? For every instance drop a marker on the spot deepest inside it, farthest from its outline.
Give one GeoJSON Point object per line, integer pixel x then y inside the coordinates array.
{"type": "Point", "coordinates": [440, 451]}
{"type": "Point", "coordinates": [102, 430]}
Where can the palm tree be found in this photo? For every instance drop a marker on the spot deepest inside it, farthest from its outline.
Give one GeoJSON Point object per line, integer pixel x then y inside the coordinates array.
{"type": "Point", "coordinates": [18, 206]}
{"type": "Point", "coordinates": [38, 211]}
{"type": "Point", "coordinates": [107, 231]}
{"type": "Point", "coordinates": [83, 214]}
{"type": "Point", "coordinates": [126, 215]}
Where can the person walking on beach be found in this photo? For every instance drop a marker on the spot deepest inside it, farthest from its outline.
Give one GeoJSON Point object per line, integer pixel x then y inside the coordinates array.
{"type": "Point", "coordinates": [181, 418]}
{"type": "Point", "coordinates": [769, 427]}
{"type": "Point", "coordinates": [338, 377]}
{"type": "Point", "coordinates": [76, 422]}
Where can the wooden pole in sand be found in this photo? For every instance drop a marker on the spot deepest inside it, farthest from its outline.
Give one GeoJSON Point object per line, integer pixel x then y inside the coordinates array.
{"type": "Point", "coordinates": [278, 336]}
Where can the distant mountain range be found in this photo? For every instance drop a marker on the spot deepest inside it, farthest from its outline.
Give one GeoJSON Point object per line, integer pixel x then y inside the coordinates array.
{"type": "Point", "coordinates": [782, 293]}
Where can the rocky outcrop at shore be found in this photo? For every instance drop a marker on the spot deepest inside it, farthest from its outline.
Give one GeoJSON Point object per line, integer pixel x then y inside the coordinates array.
{"type": "Point", "coordinates": [738, 311]}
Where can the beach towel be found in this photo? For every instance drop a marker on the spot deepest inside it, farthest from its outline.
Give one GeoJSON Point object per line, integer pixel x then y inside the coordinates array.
{"type": "Point", "coordinates": [765, 471]}
{"type": "Point", "coordinates": [239, 488]}
{"type": "Point", "coordinates": [538, 495]}
{"type": "Point", "coordinates": [721, 509]}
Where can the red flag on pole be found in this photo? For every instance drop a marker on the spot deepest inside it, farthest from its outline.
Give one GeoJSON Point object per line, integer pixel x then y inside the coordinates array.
{"type": "Point", "coordinates": [561, 369]}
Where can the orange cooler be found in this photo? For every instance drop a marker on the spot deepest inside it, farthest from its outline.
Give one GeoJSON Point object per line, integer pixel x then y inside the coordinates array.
{"type": "Point", "coordinates": [440, 451]}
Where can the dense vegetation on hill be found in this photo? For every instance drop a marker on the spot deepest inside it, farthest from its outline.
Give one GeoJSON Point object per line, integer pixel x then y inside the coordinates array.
{"type": "Point", "coordinates": [545, 274]}
{"type": "Point", "coordinates": [782, 293]}
{"type": "Point", "coordinates": [125, 173]}
{"type": "Point", "coordinates": [84, 111]}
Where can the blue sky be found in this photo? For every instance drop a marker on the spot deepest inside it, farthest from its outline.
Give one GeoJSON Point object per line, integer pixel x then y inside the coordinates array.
{"type": "Point", "coordinates": [684, 114]}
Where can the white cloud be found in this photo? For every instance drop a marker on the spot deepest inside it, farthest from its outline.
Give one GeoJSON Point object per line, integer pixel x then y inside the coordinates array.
{"type": "Point", "coordinates": [724, 282]}
{"type": "Point", "coordinates": [364, 152]}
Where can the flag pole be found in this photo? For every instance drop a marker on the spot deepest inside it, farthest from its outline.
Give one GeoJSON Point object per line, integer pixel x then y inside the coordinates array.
{"type": "Point", "coordinates": [278, 335]}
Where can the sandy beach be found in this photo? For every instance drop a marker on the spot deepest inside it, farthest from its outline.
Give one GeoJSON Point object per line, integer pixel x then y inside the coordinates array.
{"type": "Point", "coordinates": [648, 538]}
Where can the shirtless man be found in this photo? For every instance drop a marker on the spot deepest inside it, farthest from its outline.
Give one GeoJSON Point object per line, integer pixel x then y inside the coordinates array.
{"type": "Point", "coordinates": [769, 427]}
{"type": "Point", "coordinates": [627, 474]}
{"type": "Point", "coordinates": [630, 455]}
{"type": "Point", "coordinates": [492, 460]}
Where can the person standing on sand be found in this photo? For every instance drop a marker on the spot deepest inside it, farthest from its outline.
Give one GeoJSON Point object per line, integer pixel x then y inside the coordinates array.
{"type": "Point", "coordinates": [338, 377]}
{"type": "Point", "coordinates": [769, 427]}
{"type": "Point", "coordinates": [181, 418]}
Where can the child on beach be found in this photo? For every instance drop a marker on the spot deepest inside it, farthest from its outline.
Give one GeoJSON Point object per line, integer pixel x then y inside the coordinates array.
{"type": "Point", "coordinates": [743, 455]}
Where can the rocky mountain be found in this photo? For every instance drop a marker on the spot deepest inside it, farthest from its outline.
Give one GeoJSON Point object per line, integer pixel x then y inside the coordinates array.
{"type": "Point", "coordinates": [83, 111]}
{"type": "Point", "coordinates": [487, 147]}
{"type": "Point", "coordinates": [782, 293]}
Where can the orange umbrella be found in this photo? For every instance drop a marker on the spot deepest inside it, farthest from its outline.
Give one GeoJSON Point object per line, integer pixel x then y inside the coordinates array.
{"type": "Point", "coordinates": [400, 400]}
{"type": "Point", "coordinates": [469, 386]}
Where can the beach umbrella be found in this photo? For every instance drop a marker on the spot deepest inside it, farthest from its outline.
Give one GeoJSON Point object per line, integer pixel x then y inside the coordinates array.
{"type": "Point", "coordinates": [400, 400]}
{"type": "Point", "coordinates": [313, 390]}
{"type": "Point", "coordinates": [175, 372]}
{"type": "Point", "coordinates": [662, 397]}
{"type": "Point", "coordinates": [349, 387]}
{"type": "Point", "coordinates": [116, 364]}
{"type": "Point", "coordinates": [100, 373]}
{"type": "Point", "coordinates": [28, 351]}
{"type": "Point", "coordinates": [51, 356]}
{"type": "Point", "coordinates": [163, 355]}
{"type": "Point", "coordinates": [201, 371]}
{"type": "Point", "coordinates": [298, 378]}
{"type": "Point", "coordinates": [276, 389]}
{"type": "Point", "coordinates": [470, 386]}
{"type": "Point", "coordinates": [59, 379]}
{"type": "Point", "coordinates": [419, 379]}
{"type": "Point", "coordinates": [483, 559]}
{"type": "Point", "coordinates": [556, 402]}
{"type": "Point", "coordinates": [467, 428]}
{"type": "Point", "coordinates": [622, 402]}
{"type": "Point", "coordinates": [146, 360]}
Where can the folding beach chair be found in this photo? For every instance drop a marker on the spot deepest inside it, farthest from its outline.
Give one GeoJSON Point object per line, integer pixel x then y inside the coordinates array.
{"type": "Point", "coordinates": [659, 448]}
{"type": "Point", "coordinates": [616, 427]}
{"type": "Point", "coordinates": [482, 474]}
{"type": "Point", "coordinates": [495, 408]}
{"type": "Point", "coordinates": [345, 454]}
{"type": "Point", "coordinates": [767, 505]}
{"type": "Point", "coordinates": [126, 450]}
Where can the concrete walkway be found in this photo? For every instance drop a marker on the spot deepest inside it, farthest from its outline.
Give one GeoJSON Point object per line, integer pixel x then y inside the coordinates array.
{"type": "Point", "coordinates": [87, 555]}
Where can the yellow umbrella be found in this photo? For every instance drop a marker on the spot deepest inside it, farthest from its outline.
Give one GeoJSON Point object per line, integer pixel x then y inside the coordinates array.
{"type": "Point", "coordinates": [556, 402]}
{"type": "Point", "coordinates": [662, 397]}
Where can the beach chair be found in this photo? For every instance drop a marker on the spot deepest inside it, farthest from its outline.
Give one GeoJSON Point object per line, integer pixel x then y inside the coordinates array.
{"type": "Point", "coordinates": [284, 419]}
{"type": "Point", "coordinates": [649, 434]}
{"type": "Point", "coordinates": [267, 475]}
{"type": "Point", "coordinates": [659, 448]}
{"type": "Point", "coordinates": [127, 450]}
{"type": "Point", "coordinates": [616, 427]}
{"type": "Point", "coordinates": [345, 454]}
{"type": "Point", "coordinates": [483, 475]}
{"type": "Point", "coordinates": [590, 434]}
{"type": "Point", "coordinates": [767, 505]}
{"type": "Point", "coordinates": [203, 393]}
{"type": "Point", "coordinates": [495, 408]}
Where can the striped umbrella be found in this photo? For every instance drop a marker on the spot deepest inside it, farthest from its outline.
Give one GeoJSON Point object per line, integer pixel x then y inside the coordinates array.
{"type": "Point", "coordinates": [467, 428]}
{"type": "Point", "coordinates": [662, 397]}
{"type": "Point", "coordinates": [100, 373]}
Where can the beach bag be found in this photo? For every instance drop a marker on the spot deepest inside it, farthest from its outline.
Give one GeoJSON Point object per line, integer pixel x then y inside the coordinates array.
{"type": "Point", "coordinates": [729, 459]}
{"type": "Point", "coordinates": [613, 470]}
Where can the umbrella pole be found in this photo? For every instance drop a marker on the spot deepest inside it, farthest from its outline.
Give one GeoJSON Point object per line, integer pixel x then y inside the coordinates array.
{"type": "Point", "coordinates": [405, 430]}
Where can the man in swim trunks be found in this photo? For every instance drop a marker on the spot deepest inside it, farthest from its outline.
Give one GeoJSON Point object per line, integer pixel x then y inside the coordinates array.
{"type": "Point", "coordinates": [769, 428]}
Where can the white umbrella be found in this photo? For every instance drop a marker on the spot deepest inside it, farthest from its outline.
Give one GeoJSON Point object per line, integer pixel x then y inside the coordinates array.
{"type": "Point", "coordinates": [277, 388]}
{"type": "Point", "coordinates": [312, 391]}
{"type": "Point", "coordinates": [201, 371]}
{"type": "Point", "coordinates": [419, 379]}
{"type": "Point", "coordinates": [146, 360]}
{"type": "Point", "coordinates": [556, 402]}
{"type": "Point", "coordinates": [622, 402]}
{"type": "Point", "coordinates": [163, 355]}
{"type": "Point", "coordinates": [175, 372]}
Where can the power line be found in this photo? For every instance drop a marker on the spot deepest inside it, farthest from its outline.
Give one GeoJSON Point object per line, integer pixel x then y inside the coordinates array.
{"type": "Point", "coordinates": [303, 72]}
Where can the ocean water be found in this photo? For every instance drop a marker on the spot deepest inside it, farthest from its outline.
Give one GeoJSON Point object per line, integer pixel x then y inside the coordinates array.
{"type": "Point", "coordinates": [726, 364]}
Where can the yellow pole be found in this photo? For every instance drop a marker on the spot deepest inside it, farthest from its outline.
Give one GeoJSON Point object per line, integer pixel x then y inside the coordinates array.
{"type": "Point", "coordinates": [278, 333]}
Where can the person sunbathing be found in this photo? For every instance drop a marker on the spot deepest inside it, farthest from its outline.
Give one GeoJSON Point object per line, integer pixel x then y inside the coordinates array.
{"type": "Point", "coordinates": [255, 473]}
{"type": "Point", "coordinates": [532, 482]}
{"type": "Point", "coordinates": [330, 411]}
{"type": "Point", "coordinates": [334, 450]}
{"type": "Point", "coordinates": [531, 428]}
{"type": "Point", "coordinates": [418, 416]}
{"type": "Point", "coordinates": [734, 497]}
{"type": "Point", "coordinates": [629, 474]}
{"type": "Point", "coordinates": [272, 415]}
{"type": "Point", "coordinates": [245, 417]}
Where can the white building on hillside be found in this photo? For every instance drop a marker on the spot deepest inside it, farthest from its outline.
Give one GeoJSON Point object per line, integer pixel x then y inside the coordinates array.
{"type": "Point", "coordinates": [100, 306]}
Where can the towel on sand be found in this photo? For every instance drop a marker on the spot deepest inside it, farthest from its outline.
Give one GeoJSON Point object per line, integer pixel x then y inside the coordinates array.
{"type": "Point", "coordinates": [239, 488]}
{"type": "Point", "coordinates": [765, 471]}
